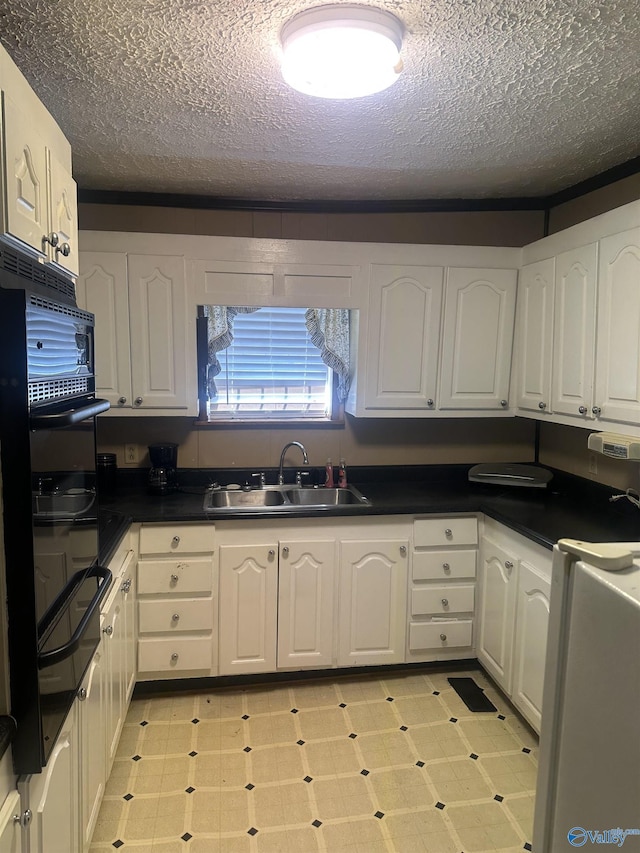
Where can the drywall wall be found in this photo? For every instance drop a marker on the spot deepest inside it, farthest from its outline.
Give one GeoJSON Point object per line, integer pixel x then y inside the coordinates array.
{"type": "Point", "coordinates": [594, 203]}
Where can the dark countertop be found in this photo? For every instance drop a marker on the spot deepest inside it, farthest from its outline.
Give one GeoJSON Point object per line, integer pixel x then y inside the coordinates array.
{"type": "Point", "coordinates": [569, 507]}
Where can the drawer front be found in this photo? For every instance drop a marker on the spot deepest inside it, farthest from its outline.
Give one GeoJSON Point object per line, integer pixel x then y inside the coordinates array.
{"type": "Point", "coordinates": [439, 600]}
{"type": "Point", "coordinates": [439, 635]}
{"type": "Point", "coordinates": [176, 538]}
{"type": "Point", "coordinates": [169, 576]}
{"type": "Point", "coordinates": [441, 565]}
{"type": "Point", "coordinates": [445, 531]}
{"type": "Point", "coordinates": [182, 614]}
{"type": "Point", "coordinates": [175, 653]}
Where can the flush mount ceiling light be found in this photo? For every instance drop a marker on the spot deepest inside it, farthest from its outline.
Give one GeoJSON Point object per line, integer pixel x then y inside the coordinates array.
{"type": "Point", "coordinates": [341, 51]}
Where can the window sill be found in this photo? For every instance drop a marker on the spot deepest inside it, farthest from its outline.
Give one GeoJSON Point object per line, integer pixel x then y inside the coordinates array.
{"type": "Point", "coordinates": [266, 423]}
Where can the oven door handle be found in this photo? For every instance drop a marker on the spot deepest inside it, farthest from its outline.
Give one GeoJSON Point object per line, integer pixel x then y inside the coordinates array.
{"type": "Point", "coordinates": [54, 656]}
{"type": "Point", "coordinates": [69, 416]}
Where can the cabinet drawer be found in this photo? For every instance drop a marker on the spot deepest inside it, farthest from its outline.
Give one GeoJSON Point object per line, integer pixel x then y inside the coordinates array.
{"type": "Point", "coordinates": [439, 635]}
{"type": "Point", "coordinates": [169, 576]}
{"type": "Point", "coordinates": [175, 653]}
{"type": "Point", "coordinates": [176, 539]}
{"type": "Point", "coordinates": [430, 601]}
{"type": "Point", "coordinates": [441, 565]}
{"type": "Point", "coordinates": [445, 531]}
{"type": "Point", "coordinates": [181, 614]}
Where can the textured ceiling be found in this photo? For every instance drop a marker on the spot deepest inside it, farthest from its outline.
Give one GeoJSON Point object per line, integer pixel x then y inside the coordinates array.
{"type": "Point", "coordinates": [497, 98]}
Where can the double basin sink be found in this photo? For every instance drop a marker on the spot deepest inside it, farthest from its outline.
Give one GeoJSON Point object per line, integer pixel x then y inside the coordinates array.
{"type": "Point", "coordinates": [277, 498]}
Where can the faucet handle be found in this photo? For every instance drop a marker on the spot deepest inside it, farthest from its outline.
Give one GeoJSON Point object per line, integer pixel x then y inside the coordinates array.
{"type": "Point", "coordinates": [300, 475]}
{"type": "Point", "coordinates": [262, 478]}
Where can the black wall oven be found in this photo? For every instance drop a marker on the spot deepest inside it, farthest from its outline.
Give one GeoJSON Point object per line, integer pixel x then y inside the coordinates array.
{"type": "Point", "coordinates": [50, 509]}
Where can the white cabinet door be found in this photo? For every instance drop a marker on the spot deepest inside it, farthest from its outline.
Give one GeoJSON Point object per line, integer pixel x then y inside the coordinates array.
{"type": "Point", "coordinates": [248, 608]}
{"type": "Point", "coordinates": [617, 393]}
{"type": "Point", "coordinates": [497, 608]}
{"type": "Point", "coordinates": [93, 756]}
{"type": "Point", "coordinates": [534, 335]}
{"type": "Point", "coordinates": [532, 623]}
{"type": "Point", "coordinates": [11, 832]}
{"type": "Point", "coordinates": [305, 603]}
{"type": "Point", "coordinates": [102, 288]}
{"type": "Point", "coordinates": [404, 337]}
{"type": "Point", "coordinates": [54, 795]}
{"type": "Point", "coordinates": [157, 306]}
{"type": "Point", "coordinates": [114, 632]}
{"type": "Point", "coordinates": [63, 216]}
{"type": "Point", "coordinates": [477, 338]}
{"type": "Point", "coordinates": [574, 332]}
{"type": "Point", "coordinates": [373, 585]}
{"type": "Point", "coordinates": [128, 593]}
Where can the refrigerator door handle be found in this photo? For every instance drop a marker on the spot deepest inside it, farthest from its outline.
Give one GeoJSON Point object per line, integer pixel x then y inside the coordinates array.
{"type": "Point", "coordinates": [603, 555]}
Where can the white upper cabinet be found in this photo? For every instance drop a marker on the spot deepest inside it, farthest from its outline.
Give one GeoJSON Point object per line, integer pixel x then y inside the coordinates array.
{"type": "Point", "coordinates": [404, 337]}
{"type": "Point", "coordinates": [574, 331]}
{"type": "Point", "coordinates": [477, 338]}
{"type": "Point", "coordinates": [534, 335]}
{"type": "Point", "coordinates": [617, 394]}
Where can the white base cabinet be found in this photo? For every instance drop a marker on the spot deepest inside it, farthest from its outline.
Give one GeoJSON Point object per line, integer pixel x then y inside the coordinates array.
{"type": "Point", "coordinates": [515, 586]}
{"type": "Point", "coordinates": [11, 832]}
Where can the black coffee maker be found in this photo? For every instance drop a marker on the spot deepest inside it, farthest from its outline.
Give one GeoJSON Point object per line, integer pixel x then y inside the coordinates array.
{"type": "Point", "coordinates": [163, 475]}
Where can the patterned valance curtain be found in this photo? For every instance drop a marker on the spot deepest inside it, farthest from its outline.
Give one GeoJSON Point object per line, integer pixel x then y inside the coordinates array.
{"type": "Point", "coordinates": [328, 329]}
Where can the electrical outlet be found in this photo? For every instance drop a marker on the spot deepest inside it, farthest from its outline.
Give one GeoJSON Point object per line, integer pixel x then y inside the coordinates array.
{"type": "Point", "coordinates": [130, 454]}
{"type": "Point", "coordinates": [593, 463]}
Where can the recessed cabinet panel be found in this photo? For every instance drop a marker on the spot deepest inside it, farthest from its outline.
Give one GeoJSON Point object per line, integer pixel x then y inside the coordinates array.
{"type": "Point", "coordinates": [617, 391]}
{"type": "Point", "coordinates": [405, 305]}
{"type": "Point", "coordinates": [535, 335]}
{"type": "Point", "coordinates": [497, 607]}
{"type": "Point", "coordinates": [574, 332]}
{"type": "Point", "coordinates": [532, 625]}
{"type": "Point", "coordinates": [477, 338]}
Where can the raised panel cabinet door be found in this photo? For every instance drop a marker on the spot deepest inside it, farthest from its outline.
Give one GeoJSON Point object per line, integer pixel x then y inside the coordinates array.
{"type": "Point", "coordinates": [157, 306]}
{"type": "Point", "coordinates": [497, 611]}
{"type": "Point", "coordinates": [26, 185]}
{"type": "Point", "coordinates": [477, 338]}
{"type": "Point", "coordinates": [373, 602]}
{"type": "Point", "coordinates": [532, 624]}
{"type": "Point", "coordinates": [248, 608]}
{"type": "Point", "coordinates": [305, 603]}
{"type": "Point", "coordinates": [534, 335]}
{"type": "Point", "coordinates": [112, 623]}
{"type": "Point", "coordinates": [11, 832]}
{"type": "Point", "coordinates": [404, 337]}
{"type": "Point", "coordinates": [63, 216]}
{"type": "Point", "coordinates": [574, 332]}
{"type": "Point", "coordinates": [128, 593]}
{"type": "Point", "coordinates": [93, 748]}
{"type": "Point", "coordinates": [102, 288]}
{"type": "Point", "coordinates": [617, 391]}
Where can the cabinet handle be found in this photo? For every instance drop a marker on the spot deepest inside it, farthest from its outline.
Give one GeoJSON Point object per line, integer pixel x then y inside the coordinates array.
{"type": "Point", "coordinates": [108, 630]}
{"type": "Point", "coordinates": [542, 405]}
{"type": "Point", "coordinates": [64, 250]}
{"type": "Point", "coordinates": [443, 637]}
{"type": "Point", "coordinates": [446, 567]}
{"type": "Point", "coordinates": [174, 578]}
{"type": "Point", "coordinates": [508, 565]}
{"type": "Point", "coordinates": [504, 403]}
{"type": "Point", "coordinates": [82, 694]}
{"type": "Point", "coordinates": [448, 533]}
{"type": "Point", "coordinates": [272, 552]}
{"type": "Point", "coordinates": [582, 410]}
{"type": "Point", "coordinates": [23, 819]}
{"type": "Point", "coordinates": [596, 410]}
{"type": "Point", "coordinates": [52, 239]}
{"type": "Point", "coordinates": [138, 401]}
{"type": "Point", "coordinates": [445, 602]}
{"type": "Point", "coordinates": [176, 540]}
{"type": "Point", "coordinates": [403, 550]}
{"type": "Point", "coordinates": [122, 401]}
{"type": "Point", "coordinates": [174, 656]}
{"type": "Point", "coordinates": [285, 551]}
{"type": "Point", "coordinates": [429, 402]}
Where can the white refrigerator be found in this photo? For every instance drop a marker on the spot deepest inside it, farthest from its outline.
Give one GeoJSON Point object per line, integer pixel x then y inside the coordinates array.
{"type": "Point", "coordinates": [588, 790]}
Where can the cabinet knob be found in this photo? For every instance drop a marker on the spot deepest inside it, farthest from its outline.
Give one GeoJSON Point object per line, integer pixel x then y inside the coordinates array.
{"type": "Point", "coordinates": [285, 551]}
{"type": "Point", "coordinates": [596, 410]}
{"type": "Point", "coordinates": [176, 540]}
{"type": "Point", "coordinates": [445, 602]}
{"type": "Point", "coordinates": [582, 410]}
{"type": "Point", "coordinates": [504, 403]}
{"type": "Point", "coordinates": [174, 578]}
{"type": "Point", "coordinates": [448, 533]}
{"type": "Point", "coordinates": [175, 617]}
{"type": "Point", "coordinates": [272, 552]}
{"type": "Point", "coordinates": [443, 637]}
{"type": "Point", "coordinates": [82, 694]}
{"type": "Point", "coordinates": [126, 586]}
{"type": "Point", "coordinates": [508, 565]}
{"type": "Point", "coordinates": [122, 401]}
{"type": "Point", "coordinates": [138, 401]}
{"type": "Point", "coordinates": [64, 250]}
{"type": "Point", "coordinates": [429, 402]}
{"type": "Point", "coordinates": [542, 405]}
{"type": "Point", "coordinates": [108, 630]}
{"type": "Point", "coordinates": [52, 239]}
{"type": "Point", "coordinates": [175, 656]}
{"type": "Point", "coordinates": [446, 567]}
{"type": "Point", "coordinates": [23, 819]}
{"type": "Point", "coordinates": [403, 550]}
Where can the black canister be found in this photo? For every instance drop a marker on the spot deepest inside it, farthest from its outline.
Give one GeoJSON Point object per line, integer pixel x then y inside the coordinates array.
{"type": "Point", "coordinates": [106, 474]}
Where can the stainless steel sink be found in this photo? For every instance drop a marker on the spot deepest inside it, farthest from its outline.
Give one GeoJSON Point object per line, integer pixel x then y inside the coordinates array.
{"type": "Point", "coordinates": [271, 499]}
{"type": "Point", "coordinates": [67, 504]}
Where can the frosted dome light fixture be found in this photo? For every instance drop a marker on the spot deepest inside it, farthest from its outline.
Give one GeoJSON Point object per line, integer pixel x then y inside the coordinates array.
{"type": "Point", "coordinates": [342, 51]}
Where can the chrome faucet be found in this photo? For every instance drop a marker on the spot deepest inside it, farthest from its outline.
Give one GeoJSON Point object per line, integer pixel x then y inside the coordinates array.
{"type": "Point", "coordinates": [305, 458]}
